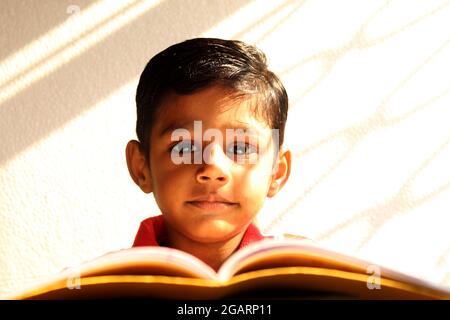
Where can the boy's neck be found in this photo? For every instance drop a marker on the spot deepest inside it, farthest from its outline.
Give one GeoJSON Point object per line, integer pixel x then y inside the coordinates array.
{"type": "Point", "coordinates": [213, 254]}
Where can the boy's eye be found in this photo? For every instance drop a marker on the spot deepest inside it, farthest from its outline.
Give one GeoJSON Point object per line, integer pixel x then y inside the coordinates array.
{"type": "Point", "coordinates": [184, 147]}
{"type": "Point", "coordinates": [241, 148]}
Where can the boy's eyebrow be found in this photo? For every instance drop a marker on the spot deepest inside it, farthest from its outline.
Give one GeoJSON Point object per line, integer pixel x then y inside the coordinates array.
{"type": "Point", "coordinates": [190, 125]}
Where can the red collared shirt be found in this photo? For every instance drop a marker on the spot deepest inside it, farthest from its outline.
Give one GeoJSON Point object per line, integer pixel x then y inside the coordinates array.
{"type": "Point", "coordinates": [152, 232]}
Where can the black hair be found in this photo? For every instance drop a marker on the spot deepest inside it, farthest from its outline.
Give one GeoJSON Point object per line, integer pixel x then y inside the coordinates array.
{"type": "Point", "coordinates": [198, 63]}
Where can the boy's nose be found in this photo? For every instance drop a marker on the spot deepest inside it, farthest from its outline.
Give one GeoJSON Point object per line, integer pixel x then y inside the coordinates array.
{"type": "Point", "coordinates": [215, 168]}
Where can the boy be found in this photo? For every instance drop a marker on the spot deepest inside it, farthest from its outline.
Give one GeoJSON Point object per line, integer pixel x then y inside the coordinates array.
{"type": "Point", "coordinates": [210, 124]}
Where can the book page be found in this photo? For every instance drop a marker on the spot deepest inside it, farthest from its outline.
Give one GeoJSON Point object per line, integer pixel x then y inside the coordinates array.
{"type": "Point", "coordinates": [272, 253]}
{"type": "Point", "coordinates": [148, 261]}
{"type": "Point", "coordinates": [131, 261]}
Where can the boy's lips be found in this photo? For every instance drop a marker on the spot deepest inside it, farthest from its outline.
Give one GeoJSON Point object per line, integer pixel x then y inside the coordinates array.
{"type": "Point", "coordinates": [212, 202]}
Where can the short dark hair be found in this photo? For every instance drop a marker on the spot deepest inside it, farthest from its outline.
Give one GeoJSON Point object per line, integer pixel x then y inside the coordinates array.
{"type": "Point", "coordinates": [198, 63]}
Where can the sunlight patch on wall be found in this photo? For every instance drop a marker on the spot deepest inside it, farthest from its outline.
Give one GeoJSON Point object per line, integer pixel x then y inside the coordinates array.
{"type": "Point", "coordinates": [245, 19]}
{"type": "Point", "coordinates": [79, 33]}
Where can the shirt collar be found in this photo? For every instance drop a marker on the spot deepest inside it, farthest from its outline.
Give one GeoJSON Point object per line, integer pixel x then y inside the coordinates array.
{"type": "Point", "coordinates": [152, 232]}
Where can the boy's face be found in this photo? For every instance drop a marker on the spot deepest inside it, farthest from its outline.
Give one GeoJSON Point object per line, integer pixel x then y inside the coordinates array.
{"type": "Point", "coordinates": [216, 198]}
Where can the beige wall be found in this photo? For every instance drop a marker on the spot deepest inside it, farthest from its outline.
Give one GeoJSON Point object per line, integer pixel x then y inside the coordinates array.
{"type": "Point", "coordinates": [369, 84]}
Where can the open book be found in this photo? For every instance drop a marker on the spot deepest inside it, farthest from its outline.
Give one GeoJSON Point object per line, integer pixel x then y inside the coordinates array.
{"type": "Point", "coordinates": [270, 268]}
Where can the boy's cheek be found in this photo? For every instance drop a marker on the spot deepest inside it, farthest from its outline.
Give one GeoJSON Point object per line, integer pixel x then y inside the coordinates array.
{"type": "Point", "coordinates": [257, 180]}
{"type": "Point", "coordinates": [252, 197]}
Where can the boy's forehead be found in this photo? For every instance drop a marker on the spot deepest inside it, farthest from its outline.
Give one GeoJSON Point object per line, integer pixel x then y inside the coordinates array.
{"type": "Point", "coordinates": [192, 124]}
{"type": "Point", "coordinates": [213, 107]}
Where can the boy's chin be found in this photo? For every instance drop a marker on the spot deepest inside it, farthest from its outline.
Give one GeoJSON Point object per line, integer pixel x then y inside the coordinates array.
{"type": "Point", "coordinates": [214, 232]}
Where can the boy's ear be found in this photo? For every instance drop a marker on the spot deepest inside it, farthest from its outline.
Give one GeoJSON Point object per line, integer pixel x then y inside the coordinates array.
{"type": "Point", "coordinates": [282, 170]}
{"type": "Point", "coordinates": [138, 167]}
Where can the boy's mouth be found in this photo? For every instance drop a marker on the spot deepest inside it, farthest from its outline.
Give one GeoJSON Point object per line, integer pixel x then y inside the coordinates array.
{"type": "Point", "coordinates": [212, 205]}
{"type": "Point", "coordinates": [212, 202]}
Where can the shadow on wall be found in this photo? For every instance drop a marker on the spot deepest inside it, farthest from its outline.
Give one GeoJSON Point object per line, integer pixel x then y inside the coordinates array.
{"type": "Point", "coordinates": [24, 21]}
{"type": "Point", "coordinates": [34, 111]}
